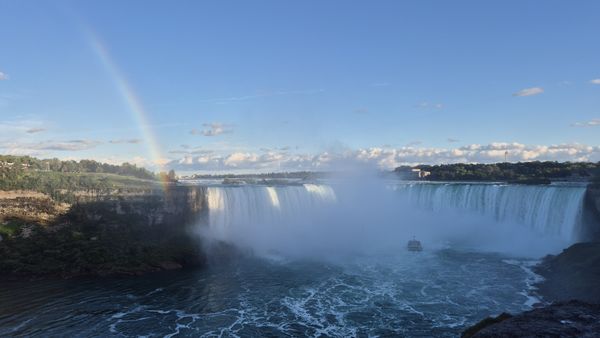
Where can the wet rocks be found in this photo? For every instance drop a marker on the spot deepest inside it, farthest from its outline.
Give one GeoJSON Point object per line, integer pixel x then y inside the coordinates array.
{"type": "Point", "coordinates": [573, 274]}
{"type": "Point", "coordinates": [563, 319]}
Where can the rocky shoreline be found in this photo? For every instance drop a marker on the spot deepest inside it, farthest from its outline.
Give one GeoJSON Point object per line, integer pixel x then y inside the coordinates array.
{"type": "Point", "coordinates": [572, 274]}
{"type": "Point", "coordinates": [571, 281]}
{"type": "Point", "coordinates": [563, 319]}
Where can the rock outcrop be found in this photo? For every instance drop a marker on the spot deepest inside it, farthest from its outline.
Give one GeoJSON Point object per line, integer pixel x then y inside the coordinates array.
{"type": "Point", "coordinates": [571, 279]}
{"type": "Point", "coordinates": [591, 214]}
{"type": "Point", "coordinates": [573, 274]}
{"type": "Point", "coordinates": [563, 319]}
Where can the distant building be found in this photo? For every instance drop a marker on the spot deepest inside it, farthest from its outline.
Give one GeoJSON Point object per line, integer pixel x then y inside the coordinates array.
{"type": "Point", "coordinates": [409, 173]}
{"type": "Point", "coordinates": [4, 164]}
{"type": "Point", "coordinates": [424, 173]}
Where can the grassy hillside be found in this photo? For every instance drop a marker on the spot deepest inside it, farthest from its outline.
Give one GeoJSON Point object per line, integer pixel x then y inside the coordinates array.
{"type": "Point", "coordinates": [65, 180]}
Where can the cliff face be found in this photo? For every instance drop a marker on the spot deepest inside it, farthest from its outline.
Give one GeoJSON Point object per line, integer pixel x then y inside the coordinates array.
{"type": "Point", "coordinates": [591, 213]}
{"type": "Point", "coordinates": [177, 206]}
{"type": "Point", "coordinates": [30, 206]}
{"type": "Point", "coordinates": [573, 274]}
{"type": "Point", "coordinates": [114, 234]}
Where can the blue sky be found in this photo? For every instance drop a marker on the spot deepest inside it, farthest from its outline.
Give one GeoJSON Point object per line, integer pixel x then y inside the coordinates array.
{"type": "Point", "coordinates": [281, 85]}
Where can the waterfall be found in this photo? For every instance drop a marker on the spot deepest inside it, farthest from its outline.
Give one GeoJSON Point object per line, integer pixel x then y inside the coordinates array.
{"type": "Point", "coordinates": [232, 207]}
{"type": "Point", "coordinates": [315, 218]}
{"type": "Point", "coordinates": [554, 210]}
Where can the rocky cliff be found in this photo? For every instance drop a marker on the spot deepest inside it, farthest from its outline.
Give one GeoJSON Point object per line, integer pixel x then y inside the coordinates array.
{"type": "Point", "coordinates": [573, 274]}
{"type": "Point", "coordinates": [112, 234]}
{"type": "Point", "coordinates": [591, 213]}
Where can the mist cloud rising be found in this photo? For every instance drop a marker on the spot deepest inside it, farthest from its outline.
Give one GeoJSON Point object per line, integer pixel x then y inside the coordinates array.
{"type": "Point", "coordinates": [364, 217]}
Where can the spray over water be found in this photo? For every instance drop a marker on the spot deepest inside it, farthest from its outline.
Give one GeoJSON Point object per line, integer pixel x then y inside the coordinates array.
{"type": "Point", "coordinates": [365, 215]}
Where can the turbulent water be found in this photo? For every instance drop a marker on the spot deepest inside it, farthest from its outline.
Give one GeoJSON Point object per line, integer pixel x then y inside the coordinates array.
{"type": "Point", "coordinates": [429, 294]}
{"type": "Point", "coordinates": [323, 265]}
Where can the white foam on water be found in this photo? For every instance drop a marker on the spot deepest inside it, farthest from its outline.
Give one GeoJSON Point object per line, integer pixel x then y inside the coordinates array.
{"type": "Point", "coordinates": [531, 280]}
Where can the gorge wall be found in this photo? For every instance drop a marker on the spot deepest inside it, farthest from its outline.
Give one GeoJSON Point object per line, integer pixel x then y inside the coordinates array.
{"type": "Point", "coordinates": [591, 213]}
{"type": "Point", "coordinates": [130, 233]}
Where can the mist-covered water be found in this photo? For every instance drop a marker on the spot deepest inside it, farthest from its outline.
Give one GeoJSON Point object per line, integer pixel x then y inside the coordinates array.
{"type": "Point", "coordinates": [325, 260]}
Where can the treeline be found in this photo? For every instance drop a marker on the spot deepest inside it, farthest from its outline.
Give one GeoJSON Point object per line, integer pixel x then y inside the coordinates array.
{"type": "Point", "coordinates": [22, 163]}
{"type": "Point", "coordinates": [521, 171]}
{"type": "Point", "coordinates": [67, 181]}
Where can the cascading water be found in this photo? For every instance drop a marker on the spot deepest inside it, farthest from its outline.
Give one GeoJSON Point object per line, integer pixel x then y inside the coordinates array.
{"type": "Point", "coordinates": [237, 208]}
{"type": "Point", "coordinates": [521, 219]}
{"type": "Point", "coordinates": [554, 210]}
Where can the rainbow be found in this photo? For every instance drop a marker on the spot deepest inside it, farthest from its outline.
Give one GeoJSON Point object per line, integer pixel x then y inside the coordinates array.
{"type": "Point", "coordinates": [131, 99]}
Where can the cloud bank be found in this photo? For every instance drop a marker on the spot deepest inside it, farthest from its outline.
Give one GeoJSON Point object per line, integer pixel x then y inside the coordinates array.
{"type": "Point", "coordinates": [384, 158]}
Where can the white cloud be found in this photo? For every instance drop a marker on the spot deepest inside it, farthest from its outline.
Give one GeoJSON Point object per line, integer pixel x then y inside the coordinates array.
{"type": "Point", "coordinates": [237, 159]}
{"type": "Point", "coordinates": [35, 130]}
{"type": "Point", "coordinates": [3, 76]}
{"type": "Point", "coordinates": [36, 148]}
{"type": "Point", "coordinates": [385, 158]}
{"type": "Point", "coordinates": [427, 105]}
{"type": "Point", "coordinates": [590, 123]}
{"type": "Point", "coordinates": [19, 126]}
{"type": "Point", "coordinates": [213, 129]}
{"type": "Point", "coordinates": [130, 141]}
{"type": "Point", "coordinates": [529, 91]}
{"type": "Point", "coordinates": [595, 81]}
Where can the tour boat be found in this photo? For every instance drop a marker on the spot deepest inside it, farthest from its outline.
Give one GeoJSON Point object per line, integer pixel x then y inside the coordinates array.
{"type": "Point", "coordinates": [414, 245]}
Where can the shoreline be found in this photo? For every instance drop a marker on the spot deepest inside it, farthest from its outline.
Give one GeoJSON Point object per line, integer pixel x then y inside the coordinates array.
{"type": "Point", "coordinates": [568, 289]}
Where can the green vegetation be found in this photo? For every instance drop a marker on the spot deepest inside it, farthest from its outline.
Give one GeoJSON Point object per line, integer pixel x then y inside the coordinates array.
{"type": "Point", "coordinates": [92, 250]}
{"type": "Point", "coordinates": [115, 220]}
{"type": "Point", "coordinates": [167, 177]}
{"type": "Point", "coordinates": [10, 163]}
{"type": "Point", "coordinates": [10, 228]}
{"type": "Point", "coordinates": [63, 180]}
{"type": "Point", "coordinates": [102, 237]}
{"type": "Point", "coordinates": [522, 172]}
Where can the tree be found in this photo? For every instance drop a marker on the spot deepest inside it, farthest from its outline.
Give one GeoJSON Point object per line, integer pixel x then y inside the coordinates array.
{"type": "Point", "coordinates": [171, 176]}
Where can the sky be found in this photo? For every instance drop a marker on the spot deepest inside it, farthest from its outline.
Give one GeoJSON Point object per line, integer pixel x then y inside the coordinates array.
{"type": "Point", "coordinates": [241, 86]}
